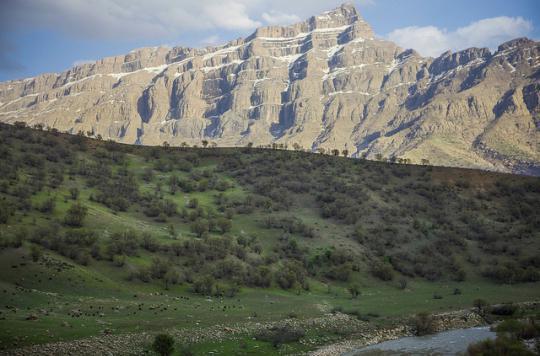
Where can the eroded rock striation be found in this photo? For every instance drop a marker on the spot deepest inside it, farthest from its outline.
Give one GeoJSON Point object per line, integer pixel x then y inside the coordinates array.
{"type": "Point", "coordinates": [323, 84]}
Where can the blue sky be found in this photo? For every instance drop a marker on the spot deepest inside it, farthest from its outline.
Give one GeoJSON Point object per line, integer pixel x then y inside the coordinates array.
{"type": "Point", "coordinates": [38, 36]}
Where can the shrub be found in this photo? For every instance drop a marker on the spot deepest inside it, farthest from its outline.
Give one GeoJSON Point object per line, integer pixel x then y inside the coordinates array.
{"type": "Point", "coordinates": [47, 206]}
{"type": "Point", "coordinates": [279, 335]}
{"type": "Point", "coordinates": [504, 309]}
{"type": "Point", "coordinates": [5, 212]}
{"type": "Point", "coordinates": [382, 271]}
{"type": "Point", "coordinates": [123, 243]}
{"type": "Point", "coordinates": [119, 260]}
{"type": "Point", "coordinates": [402, 283]}
{"type": "Point", "coordinates": [340, 273]}
{"type": "Point", "coordinates": [290, 275]}
{"type": "Point", "coordinates": [74, 193]}
{"type": "Point", "coordinates": [354, 289]}
{"type": "Point", "coordinates": [525, 330]}
{"type": "Point", "coordinates": [424, 324]}
{"type": "Point", "coordinates": [75, 215]}
{"type": "Point", "coordinates": [36, 252]}
{"type": "Point", "coordinates": [193, 203]}
{"type": "Point", "coordinates": [500, 346]}
{"type": "Point", "coordinates": [480, 305]}
{"type": "Point", "coordinates": [163, 344]}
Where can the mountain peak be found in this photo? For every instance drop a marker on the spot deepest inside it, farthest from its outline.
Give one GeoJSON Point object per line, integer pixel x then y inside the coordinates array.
{"type": "Point", "coordinates": [343, 18]}
{"type": "Point", "coordinates": [346, 13]}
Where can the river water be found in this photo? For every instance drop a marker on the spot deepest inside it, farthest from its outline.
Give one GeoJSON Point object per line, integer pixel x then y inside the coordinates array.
{"type": "Point", "coordinates": [445, 343]}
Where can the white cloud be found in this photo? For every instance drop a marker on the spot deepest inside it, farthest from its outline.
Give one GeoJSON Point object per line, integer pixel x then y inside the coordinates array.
{"type": "Point", "coordinates": [490, 32]}
{"type": "Point", "coordinates": [210, 40]}
{"type": "Point", "coordinates": [155, 19]}
{"type": "Point", "coordinates": [128, 19]}
{"type": "Point", "coordinates": [274, 17]}
{"type": "Point", "coordinates": [229, 15]}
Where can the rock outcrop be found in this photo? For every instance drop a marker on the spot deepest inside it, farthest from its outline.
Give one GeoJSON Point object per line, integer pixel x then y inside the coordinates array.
{"type": "Point", "coordinates": [325, 83]}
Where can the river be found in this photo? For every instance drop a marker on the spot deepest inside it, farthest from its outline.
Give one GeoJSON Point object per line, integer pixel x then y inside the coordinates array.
{"type": "Point", "coordinates": [445, 343]}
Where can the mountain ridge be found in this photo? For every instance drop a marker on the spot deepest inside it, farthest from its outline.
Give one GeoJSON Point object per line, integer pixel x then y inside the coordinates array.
{"type": "Point", "coordinates": [322, 84]}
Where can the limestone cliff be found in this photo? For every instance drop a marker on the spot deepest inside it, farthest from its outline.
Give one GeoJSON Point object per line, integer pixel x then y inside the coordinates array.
{"type": "Point", "coordinates": [326, 83]}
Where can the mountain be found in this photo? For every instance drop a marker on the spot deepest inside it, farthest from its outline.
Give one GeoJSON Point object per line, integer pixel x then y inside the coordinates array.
{"type": "Point", "coordinates": [325, 83]}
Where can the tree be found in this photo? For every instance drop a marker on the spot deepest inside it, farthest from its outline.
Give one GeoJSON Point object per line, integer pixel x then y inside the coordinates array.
{"type": "Point", "coordinates": [296, 146]}
{"type": "Point", "coordinates": [354, 289]}
{"type": "Point", "coordinates": [75, 215]}
{"type": "Point", "coordinates": [425, 162]}
{"type": "Point", "coordinates": [200, 227]}
{"type": "Point", "coordinates": [47, 206]}
{"type": "Point", "coordinates": [36, 252]}
{"type": "Point", "coordinates": [193, 203]}
{"type": "Point", "coordinates": [335, 152]}
{"type": "Point", "coordinates": [148, 175]}
{"type": "Point", "coordinates": [204, 143]}
{"type": "Point", "coordinates": [159, 267]}
{"type": "Point", "coordinates": [74, 193]}
{"type": "Point", "coordinates": [224, 224]}
{"type": "Point", "coordinates": [172, 231]}
{"type": "Point", "coordinates": [205, 285]}
{"type": "Point", "coordinates": [345, 153]}
{"type": "Point", "coordinates": [163, 344]}
{"type": "Point", "coordinates": [5, 212]}
{"type": "Point", "coordinates": [172, 277]}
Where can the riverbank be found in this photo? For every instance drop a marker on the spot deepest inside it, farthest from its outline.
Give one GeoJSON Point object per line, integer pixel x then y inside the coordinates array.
{"type": "Point", "coordinates": [364, 333]}
{"type": "Point", "coordinates": [442, 322]}
{"type": "Point", "coordinates": [358, 334]}
{"type": "Point", "coordinates": [461, 319]}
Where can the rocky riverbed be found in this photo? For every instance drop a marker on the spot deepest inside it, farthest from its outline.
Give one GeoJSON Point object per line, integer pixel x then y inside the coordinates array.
{"type": "Point", "coordinates": [444, 321]}
{"type": "Point", "coordinates": [461, 319]}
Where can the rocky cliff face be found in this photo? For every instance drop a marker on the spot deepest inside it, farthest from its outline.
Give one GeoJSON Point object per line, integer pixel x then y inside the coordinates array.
{"type": "Point", "coordinates": [326, 83]}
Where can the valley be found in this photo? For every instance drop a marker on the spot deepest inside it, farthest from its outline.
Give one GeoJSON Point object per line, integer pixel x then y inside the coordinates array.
{"type": "Point", "coordinates": [104, 245]}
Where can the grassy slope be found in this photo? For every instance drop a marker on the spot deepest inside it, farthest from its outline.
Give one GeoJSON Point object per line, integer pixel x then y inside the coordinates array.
{"type": "Point", "coordinates": [56, 287]}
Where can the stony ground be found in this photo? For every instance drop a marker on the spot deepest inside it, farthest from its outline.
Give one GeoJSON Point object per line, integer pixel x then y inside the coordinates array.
{"type": "Point", "coordinates": [135, 343]}
{"type": "Point", "coordinates": [362, 334]}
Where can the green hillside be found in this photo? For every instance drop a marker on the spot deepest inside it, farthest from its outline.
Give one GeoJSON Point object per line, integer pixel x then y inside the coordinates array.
{"type": "Point", "coordinates": [99, 238]}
